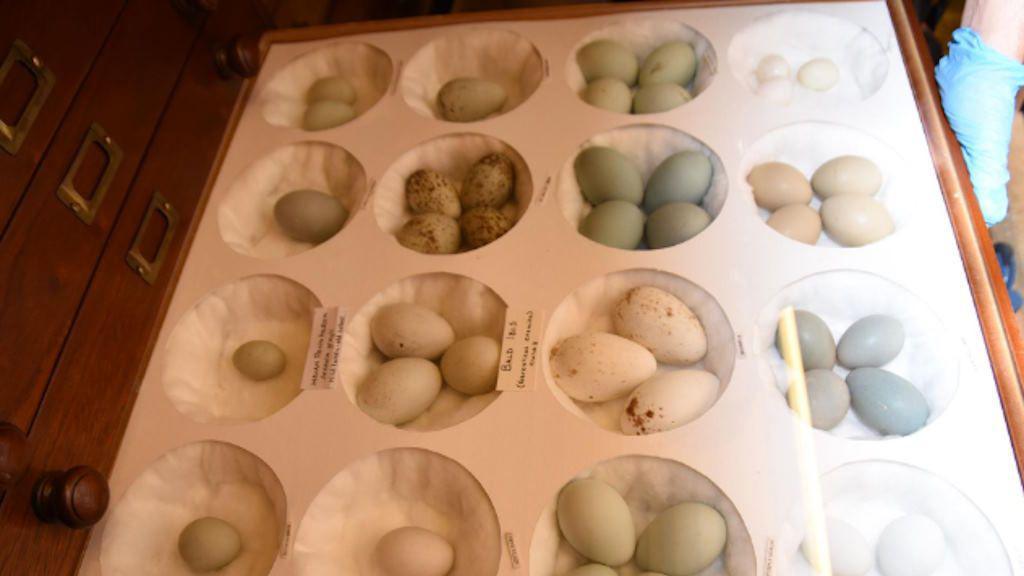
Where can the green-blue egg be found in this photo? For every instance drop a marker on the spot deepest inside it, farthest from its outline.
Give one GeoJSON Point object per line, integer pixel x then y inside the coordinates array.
{"type": "Point", "coordinates": [659, 98]}
{"type": "Point", "coordinates": [675, 223]}
{"type": "Point", "coordinates": [672, 63]}
{"type": "Point", "coordinates": [887, 402]}
{"type": "Point", "coordinates": [616, 223]}
{"type": "Point", "coordinates": [606, 174]}
{"type": "Point", "coordinates": [682, 177]}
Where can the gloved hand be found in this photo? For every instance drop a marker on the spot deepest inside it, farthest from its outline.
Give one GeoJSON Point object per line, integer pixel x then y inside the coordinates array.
{"type": "Point", "coordinates": [979, 86]}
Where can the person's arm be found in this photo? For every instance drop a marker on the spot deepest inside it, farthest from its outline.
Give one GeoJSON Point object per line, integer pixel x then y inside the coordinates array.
{"type": "Point", "coordinates": [978, 81]}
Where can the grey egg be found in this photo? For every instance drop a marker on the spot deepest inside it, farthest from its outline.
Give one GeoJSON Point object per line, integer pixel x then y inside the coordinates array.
{"type": "Point", "coordinates": [873, 341]}
{"type": "Point", "coordinates": [606, 174]}
{"type": "Point", "coordinates": [655, 98]}
{"type": "Point", "coordinates": [675, 223]}
{"type": "Point", "coordinates": [310, 215]}
{"type": "Point", "coordinates": [259, 360]}
{"type": "Point", "coordinates": [325, 114]}
{"type": "Point", "coordinates": [682, 177]}
{"type": "Point", "coordinates": [673, 63]}
{"type": "Point", "coordinates": [208, 544]}
{"type": "Point", "coordinates": [610, 94]}
{"type": "Point", "coordinates": [470, 99]}
{"type": "Point", "coordinates": [887, 402]}
{"type": "Point", "coordinates": [607, 59]}
{"type": "Point", "coordinates": [829, 398]}
{"type": "Point", "coordinates": [616, 223]}
{"type": "Point", "coordinates": [817, 345]}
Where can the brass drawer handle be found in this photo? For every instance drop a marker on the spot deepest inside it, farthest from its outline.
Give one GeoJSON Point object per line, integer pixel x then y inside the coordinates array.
{"type": "Point", "coordinates": [150, 269]}
{"type": "Point", "coordinates": [86, 208]}
{"type": "Point", "coordinates": [12, 136]}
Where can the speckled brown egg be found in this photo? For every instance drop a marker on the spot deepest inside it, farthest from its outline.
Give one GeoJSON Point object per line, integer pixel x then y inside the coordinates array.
{"type": "Point", "coordinates": [431, 193]}
{"type": "Point", "coordinates": [489, 182]}
{"type": "Point", "coordinates": [481, 226]}
{"type": "Point", "coordinates": [430, 234]}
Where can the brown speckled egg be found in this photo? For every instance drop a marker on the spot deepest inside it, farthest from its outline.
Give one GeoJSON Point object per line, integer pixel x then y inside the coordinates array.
{"type": "Point", "coordinates": [431, 193]}
{"type": "Point", "coordinates": [430, 234]}
{"type": "Point", "coordinates": [489, 182]}
{"type": "Point", "coordinates": [481, 226]}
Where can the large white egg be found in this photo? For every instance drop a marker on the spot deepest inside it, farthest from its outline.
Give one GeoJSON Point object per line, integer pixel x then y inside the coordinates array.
{"type": "Point", "coordinates": [847, 175]}
{"type": "Point", "coordinates": [668, 401]}
{"type": "Point", "coordinates": [662, 323]}
{"type": "Point", "coordinates": [400, 390]}
{"type": "Point", "coordinates": [820, 74]}
{"type": "Point", "coordinates": [854, 220]}
{"type": "Point", "coordinates": [911, 546]}
{"type": "Point", "coordinates": [848, 551]}
{"type": "Point", "coordinates": [414, 551]}
{"type": "Point", "coordinates": [409, 330]}
{"type": "Point", "coordinates": [597, 366]}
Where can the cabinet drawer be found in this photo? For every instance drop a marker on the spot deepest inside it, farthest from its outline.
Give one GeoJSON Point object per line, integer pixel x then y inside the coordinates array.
{"type": "Point", "coordinates": [86, 407]}
{"type": "Point", "coordinates": [49, 251]}
{"type": "Point", "coordinates": [65, 37]}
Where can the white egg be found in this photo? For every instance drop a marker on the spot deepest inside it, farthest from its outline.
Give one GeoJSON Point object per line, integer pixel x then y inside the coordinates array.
{"type": "Point", "coordinates": [405, 329]}
{"type": "Point", "coordinates": [414, 551]}
{"type": "Point", "coordinates": [400, 390]}
{"type": "Point", "coordinates": [848, 551]}
{"type": "Point", "coordinates": [772, 67]}
{"type": "Point", "coordinates": [668, 401]}
{"type": "Point", "coordinates": [662, 323]}
{"type": "Point", "coordinates": [820, 74]}
{"type": "Point", "coordinates": [911, 546]}
{"type": "Point", "coordinates": [597, 366]}
{"type": "Point", "coordinates": [779, 91]}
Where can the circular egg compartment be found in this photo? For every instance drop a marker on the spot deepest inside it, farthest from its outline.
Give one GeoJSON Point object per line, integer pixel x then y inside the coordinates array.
{"type": "Point", "coordinates": [452, 156]}
{"type": "Point", "coordinates": [246, 215]}
{"type": "Point", "coordinates": [930, 359]}
{"type": "Point", "coordinates": [197, 480]}
{"type": "Point", "coordinates": [649, 485]}
{"type": "Point", "coordinates": [869, 495]}
{"type": "Point", "coordinates": [500, 56]}
{"type": "Point", "coordinates": [643, 36]}
{"type": "Point", "coordinates": [590, 308]}
{"type": "Point", "coordinates": [799, 37]}
{"type": "Point", "coordinates": [199, 376]}
{"type": "Point", "coordinates": [646, 145]}
{"type": "Point", "coordinates": [807, 145]}
{"type": "Point", "coordinates": [393, 489]}
{"type": "Point", "coordinates": [471, 308]}
{"type": "Point", "coordinates": [368, 69]}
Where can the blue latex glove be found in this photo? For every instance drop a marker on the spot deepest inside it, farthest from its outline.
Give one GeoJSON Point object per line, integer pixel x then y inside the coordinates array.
{"type": "Point", "coordinates": [978, 87]}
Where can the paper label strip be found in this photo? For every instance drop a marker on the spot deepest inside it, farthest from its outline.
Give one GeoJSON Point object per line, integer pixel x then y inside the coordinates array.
{"type": "Point", "coordinates": [324, 353]}
{"type": "Point", "coordinates": [520, 342]}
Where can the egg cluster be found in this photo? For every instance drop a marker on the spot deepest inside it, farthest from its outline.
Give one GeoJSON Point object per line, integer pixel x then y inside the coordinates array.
{"type": "Point", "coordinates": [612, 184]}
{"type": "Point", "coordinates": [652, 326]}
{"type": "Point", "coordinates": [423, 355]}
{"type": "Point", "coordinates": [597, 522]}
{"type": "Point", "coordinates": [911, 545]}
{"type": "Point", "coordinates": [774, 77]}
{"type": "Point", "coordinates": [612, 71]}
{"type": "Point", "coordinates": [329, 103]}
{"type": "Point", "coordinates": [881, 399]}
{"type": "Point", "coordinates": [846, 185]}
{"type": "Point", "coordinates": [446, 220]}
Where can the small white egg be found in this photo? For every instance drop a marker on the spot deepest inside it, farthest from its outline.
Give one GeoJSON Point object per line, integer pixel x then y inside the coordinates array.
{"type": "Point", "coordinates": [772, 67]}
{"type": "Point", "coordinates": [820, 74]}
{"type": "Point", "coordinates": [911, 546]}
{"type": "Point", "coordinates": [414, 551]}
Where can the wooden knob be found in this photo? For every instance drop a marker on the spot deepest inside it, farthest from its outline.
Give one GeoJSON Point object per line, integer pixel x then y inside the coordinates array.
{"type": "Point", "coordinates": [239, 57]}
{"type": "Point", "coordinates": [76, 498]}
{"type": "Point", "coordinates": [193, 7]}
{"type": "Point", "coordinates": [13, 454]}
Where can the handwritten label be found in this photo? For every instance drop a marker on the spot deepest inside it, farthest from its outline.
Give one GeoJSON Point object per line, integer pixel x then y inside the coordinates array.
{"type": "Point", "coordinates": [321, 372]}
{"type": "Point", "coordinates": [519, 343]}
{"type": "Point", "coordinates": [286, 542]}
{"type": "Point", "coordinates": [769, 558]}
{"type": "Point", "coordinates": [740, 348]}
{"type": "Point", "coordinates": [547, 68]}
{"type": "Point", "coordinates": [513, 553]}
{"type": "Point", "coordinates": [544, 190]}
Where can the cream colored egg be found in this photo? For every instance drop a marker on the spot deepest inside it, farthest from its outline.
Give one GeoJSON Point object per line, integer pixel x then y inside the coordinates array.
{"type": "Point", "coordinates": [854, 220]}
{"type": "Point", "coordinates": [399, 390]}
{"type": "Point", "coordinates": [259, 360]}
{"type": "Point", "coordinates": [682, 540]}
{"type": "Point", "coordinates": [471, 365]}
{"type": "Point", "coordinates": [847, 175]}
{"type": "Point", "coordinates": [772, 67]}
{"type": "Point", "coordinates": [662, 323]}
{"type": "Point", "coordinates": [820, 74]}
{"type": "Point", "coordinates": [776, 184]}
{"type": "Point", "coordinates": [668, 401]}
{"type": "Point", "coordinates": [597, 366]}
{"type": "Point", "coordinates": [596, 521]}
{"type": "Point", "coordinates": [797, 221]}
{"type": "Point", "coordinates": [414, 551]}
{"type": "Point", "coordinates": [332, 88]}
{"type": "Point", "coordinates": [429, 192]}
{"type": "Point", "coordinates": [430, 234]}
{"type": "Point", "coordinates": [405, 330]}
{"type": "Point", "coordinates": [325, 114]}
{"type": "Point", "coordinates": [209, 544]}
{"type": "Point", "coordinates": [470, 99]}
